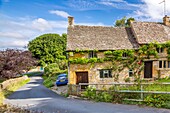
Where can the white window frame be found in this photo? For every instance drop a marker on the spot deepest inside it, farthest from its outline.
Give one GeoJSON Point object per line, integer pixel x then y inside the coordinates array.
{"type": "Point", "coordinates": [92, 54]}
{"type": "Point", "coordinates": [160, 50]}
{"type": "Point", "coordinates": [106, 71]}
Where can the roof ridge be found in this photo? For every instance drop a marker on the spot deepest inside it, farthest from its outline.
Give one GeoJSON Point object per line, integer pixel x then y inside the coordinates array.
{"type": "Point", "coordinates": [97, 26]}
{"type": "Point", "coordinates": [146, 22]}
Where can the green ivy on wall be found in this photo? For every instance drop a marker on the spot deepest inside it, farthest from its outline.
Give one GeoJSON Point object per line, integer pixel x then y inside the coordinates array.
{"type": "Point", "coordinates": [134, 59]}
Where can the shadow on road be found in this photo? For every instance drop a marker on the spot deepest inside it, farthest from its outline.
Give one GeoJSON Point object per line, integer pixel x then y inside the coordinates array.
{"type": "Point", "coordinates": [37, 97]}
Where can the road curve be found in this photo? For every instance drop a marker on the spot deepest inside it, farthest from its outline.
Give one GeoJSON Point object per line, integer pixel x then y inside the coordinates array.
{"type": "Point", "coordinates": [35, 96]}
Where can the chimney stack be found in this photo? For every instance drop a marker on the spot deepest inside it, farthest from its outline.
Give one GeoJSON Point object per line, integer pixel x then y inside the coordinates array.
{"type": "Point", "coordinates": [70, 21]}
{"type": "Point", "coordinates": [166, 20]}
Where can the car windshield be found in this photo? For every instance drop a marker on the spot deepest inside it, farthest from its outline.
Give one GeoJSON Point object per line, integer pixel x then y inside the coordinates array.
{"type": "Point", "coordinates": [61, 78]}
{"type": "Point", "coordinates": [62, 75]}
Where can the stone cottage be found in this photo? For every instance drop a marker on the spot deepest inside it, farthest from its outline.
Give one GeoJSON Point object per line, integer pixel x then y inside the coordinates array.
{"type": "Point", "coordinates": [98, 39]}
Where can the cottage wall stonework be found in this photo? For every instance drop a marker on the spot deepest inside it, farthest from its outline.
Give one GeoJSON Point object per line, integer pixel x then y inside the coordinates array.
{"type": "Point", "coordinates": [94, 73]}
{"type": "Point", "coordinates": [94, 69]}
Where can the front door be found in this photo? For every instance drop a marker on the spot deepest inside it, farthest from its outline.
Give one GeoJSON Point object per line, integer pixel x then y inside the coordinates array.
{"type": "Point", "coordinates": [82, 77]}
{"type": "Point", "coordinates": [148, 69]}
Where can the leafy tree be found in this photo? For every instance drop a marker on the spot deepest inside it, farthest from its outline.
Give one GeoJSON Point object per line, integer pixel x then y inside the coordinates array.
{"type": "Point", "coordinates": [124, 22]}
{"type": "Point", "coordinates": [14, 62]}
{"type": "Point", "coordinates": [49, 48]}
{"type": "Point", "coordinates": [121, 22]}
{"type": "Point", "coordinates": [129, 20]}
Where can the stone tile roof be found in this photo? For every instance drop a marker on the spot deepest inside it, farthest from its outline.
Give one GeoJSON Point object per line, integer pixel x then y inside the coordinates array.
{"type": "Point", "coordinates": [147, 32]}
{"type": "Point", "coordinates": [99, 38]}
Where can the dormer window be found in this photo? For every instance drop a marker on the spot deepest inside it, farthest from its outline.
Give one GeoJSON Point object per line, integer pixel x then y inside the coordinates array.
{"type": "Point", "coordinates": [92, 54]}
{"type": "Point", "coordinates": [160, 50]}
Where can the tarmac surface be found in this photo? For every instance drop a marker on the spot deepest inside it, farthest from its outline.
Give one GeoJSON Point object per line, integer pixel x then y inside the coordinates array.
{"type": "Point", "coordinates": [35, 96]}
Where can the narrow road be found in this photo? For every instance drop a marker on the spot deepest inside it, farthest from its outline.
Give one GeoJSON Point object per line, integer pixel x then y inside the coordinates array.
{"type": "Point", "coordinates": [35, 96]}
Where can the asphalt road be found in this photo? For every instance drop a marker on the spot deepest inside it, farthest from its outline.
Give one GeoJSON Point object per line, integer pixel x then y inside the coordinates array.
{"type": "Point", "coordinates": [35, 96]}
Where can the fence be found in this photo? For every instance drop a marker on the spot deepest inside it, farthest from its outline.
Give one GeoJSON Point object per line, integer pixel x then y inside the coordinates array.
{"type": "Point", "coordinates": [141, 90]}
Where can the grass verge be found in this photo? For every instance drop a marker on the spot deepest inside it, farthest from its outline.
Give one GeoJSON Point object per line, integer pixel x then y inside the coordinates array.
{"type": "Point", "coordinates": [49, 81]}
{"type": "Point", "coordinates": [10, 89]}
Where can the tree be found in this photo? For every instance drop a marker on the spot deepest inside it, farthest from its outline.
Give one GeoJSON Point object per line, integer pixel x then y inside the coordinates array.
{"type": "Point", "coordinates": [49, 48]}
{"type": "Point", "coordinates": [124, 22]}
{"type": "Point", "coordinates": [129, 20]}
{"type": "Point", "coordinates": [14, 62]}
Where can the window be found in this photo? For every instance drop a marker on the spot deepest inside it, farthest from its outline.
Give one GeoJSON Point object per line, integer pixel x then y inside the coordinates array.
{"type": "Point", "coordinates": [160, 50]}
{"type": "Point", "coordinates": [168, 64]}
{"type": "Point", "coordinates": [160, 64]}
{"type": "Point", "coordinates": [164, 64]}
{"type": "Point", "coordinates": [124, 55]}
{"type": "Point", "coordinates": [92, 54]}
{"type": "Point", "coordinates": [130, 72]}
{"type": "Point", "coordinates": [105, 73]}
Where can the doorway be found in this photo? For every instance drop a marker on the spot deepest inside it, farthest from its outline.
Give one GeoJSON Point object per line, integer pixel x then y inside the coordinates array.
{"type": "Point", "coordinates": [82, 77]}
{"type": "Point", "coordinates": [148, 69]}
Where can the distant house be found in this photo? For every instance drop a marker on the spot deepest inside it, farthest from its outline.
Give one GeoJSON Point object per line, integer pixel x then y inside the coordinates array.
{"type": "Point", "coordinates": [88, 42]}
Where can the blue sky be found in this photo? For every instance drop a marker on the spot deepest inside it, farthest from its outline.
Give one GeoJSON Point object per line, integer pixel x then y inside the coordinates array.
{"type": "Point", "coordinates": [23, 20]}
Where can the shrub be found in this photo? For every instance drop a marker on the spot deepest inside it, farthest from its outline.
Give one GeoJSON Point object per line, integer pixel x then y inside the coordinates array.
{"type": "Point", "coordinates": [13, 62]}
{"type": "Point", "coordinates": [155, 100]}
{"type": "Point", "coordinates": [104, 97]}
{"type": "Point", "coordinates": [101, 96]}
{"type": "Point", "coordinates": [90, 93]}
{"type": "Point", "coordinates": [49, 82]}
{"type": "Point", "coordinates": [127, 79]}
{"type": "Point", "coordinates": [51, 69]}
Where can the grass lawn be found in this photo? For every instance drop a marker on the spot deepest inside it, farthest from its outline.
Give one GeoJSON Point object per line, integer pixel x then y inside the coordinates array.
{"type": "Point", "coordinates": [157, 86]}
{"type": "Point", "coordinates": [163, 80]}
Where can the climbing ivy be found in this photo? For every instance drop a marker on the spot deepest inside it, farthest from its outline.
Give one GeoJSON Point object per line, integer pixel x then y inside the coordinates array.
{"type": "Point", "coordinates": [134, 59]}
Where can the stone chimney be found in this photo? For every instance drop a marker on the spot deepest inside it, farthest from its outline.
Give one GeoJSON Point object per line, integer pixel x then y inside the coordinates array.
{"type": "Point", "coordinates": [70, 21]}
{"type": "Point", "coordinates": [166, 20]}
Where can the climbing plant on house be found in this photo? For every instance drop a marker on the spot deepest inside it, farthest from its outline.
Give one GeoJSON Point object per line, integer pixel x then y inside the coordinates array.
{"type": "Point", "coordinates": [121, 59]}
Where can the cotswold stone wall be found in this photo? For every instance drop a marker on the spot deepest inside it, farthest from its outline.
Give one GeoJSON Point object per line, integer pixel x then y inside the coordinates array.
{"type": "Point", "coordinates": [94, 69]}
{"type": "Point", "coordinates": [94, 73]}
{"type": "Point", "coordinates": [6, 83]}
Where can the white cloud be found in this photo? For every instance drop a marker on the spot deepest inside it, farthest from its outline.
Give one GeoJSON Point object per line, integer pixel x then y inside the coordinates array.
{"type": "Point", "coordinates": [16, 32]}
{"type": "Point", "coordinates": [41, 24]}
{"type": "Point", "coordinates": [12, 35]}
{"type": "Point", "coordinates": [151, 10]}
{"type": "Point", "coordinates": [83, 5]}
{"type": "Point", "coordinates": [60, 13]}
{"type": "Point", "coordinates": [14, 44]}
{"type": "Point", "coordinates": [119, 4]}
{"type": "Point", "coordinates": [108, 4]}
